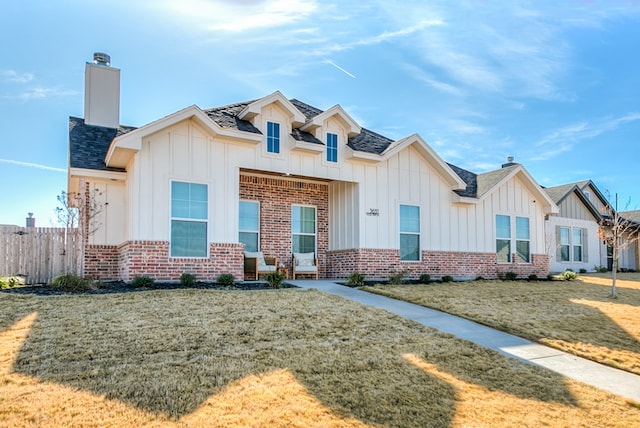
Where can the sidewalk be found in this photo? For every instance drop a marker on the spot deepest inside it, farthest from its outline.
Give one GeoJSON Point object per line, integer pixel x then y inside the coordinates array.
{"type": "Point", "coordinates": [610, 379]}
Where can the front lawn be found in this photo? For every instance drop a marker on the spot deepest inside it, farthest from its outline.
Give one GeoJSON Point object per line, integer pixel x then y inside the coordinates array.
{"type": "Point", "coordinates": [181, 358]}
{"type": "Point", "coordinates": [574, 316]}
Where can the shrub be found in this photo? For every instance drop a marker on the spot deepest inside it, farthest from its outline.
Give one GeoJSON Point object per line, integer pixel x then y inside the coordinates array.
{"type": "Point", "coordinates": [10, 281]}
{"type": "Point", "coordinates": [510, 276]}
{"type": "Point", "coordinates": [447, 278]}
{"type": "Point", "coordinates": [533, 277]}
{"type": "Point", "coordinates": [187, 279]}
{"type": "Point", "coordinates": [397, 278]}
{"type": "Point", "coordinates": [425, 278]}
{"type": "Point", "coordinates": [72, 282]}
{"type": "Point", "coordinates": [356, 279]}
{"type": "Point", "coordinates": [142, 281]}
{"type": "Point", "coordinates": [568, 275]}
{"type": "Point", "coordinates": [479, 278]}
{"type": "Point", "coordinates": [583, 270]}
{"type": "Point", "coordinates": [225, 279]}
{"type": "Point", "coordinates": [274, 279]}
{"type": "Point", "coordinates": [601, 269]}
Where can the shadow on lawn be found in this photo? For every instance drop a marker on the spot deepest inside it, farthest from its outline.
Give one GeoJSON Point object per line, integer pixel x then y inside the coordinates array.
{"type": "Point", "coordinates": [167, 365]}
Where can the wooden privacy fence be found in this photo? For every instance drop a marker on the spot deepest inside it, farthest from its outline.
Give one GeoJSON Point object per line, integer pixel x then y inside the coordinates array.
{"type": "Point", "coordinates": [38, 253]}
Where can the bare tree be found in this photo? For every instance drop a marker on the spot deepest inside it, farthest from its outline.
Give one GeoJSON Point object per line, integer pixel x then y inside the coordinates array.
{"type": "Point", "coordinates": [79, 213]}
{"type": "Point", "coordinates": [619, 232]}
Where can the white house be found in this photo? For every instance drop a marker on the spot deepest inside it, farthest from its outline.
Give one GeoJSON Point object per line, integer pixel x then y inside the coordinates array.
{"type": "Point", "coordinates": [191, 191]}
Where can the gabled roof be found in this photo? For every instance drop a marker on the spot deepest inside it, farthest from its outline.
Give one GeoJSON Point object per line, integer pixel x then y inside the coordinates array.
{"type": "Point", "coordinates": [479, 186]}
{"type": "Point", "coordinates": [562, 192]}
{"type": "Point", "coordinates": [88, 144]}
{"type": "Point", "coordinates": [255, 107]}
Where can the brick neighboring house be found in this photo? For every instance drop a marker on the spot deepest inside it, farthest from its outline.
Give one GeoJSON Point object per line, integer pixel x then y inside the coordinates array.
{"type": "Point", "coordinates": [190, 191]}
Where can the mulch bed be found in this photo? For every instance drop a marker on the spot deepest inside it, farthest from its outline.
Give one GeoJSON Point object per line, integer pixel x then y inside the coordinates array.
{"type": "Point", "coordinates": [123, 287]}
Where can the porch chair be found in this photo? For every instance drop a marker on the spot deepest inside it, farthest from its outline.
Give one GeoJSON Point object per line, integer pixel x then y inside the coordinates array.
{"type": "Point", "coordinates": [255, 264]}
{"type": "Point", "coordinates": [305, 264]}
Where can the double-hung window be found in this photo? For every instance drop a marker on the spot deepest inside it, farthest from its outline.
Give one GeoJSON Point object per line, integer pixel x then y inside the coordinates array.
{"type": "Point", "coordinates": [249, 225]}
{"type": "Point", "coordinates": [523, 243]}
{"type": "Point", "coordinates": [189, 202]}
{"type": "Point", "coordinates": [570, 244]}
{"type": "Point", "coordinates": [332, 147]}
{"type": "Point", "coordinates": [503, 238]}
{"type": "Point", "coordinates": [409, 232]}
{"type": "Point", "coordinates": [273, 137]}
{"type": "Point", "coordinates": [303, 229]}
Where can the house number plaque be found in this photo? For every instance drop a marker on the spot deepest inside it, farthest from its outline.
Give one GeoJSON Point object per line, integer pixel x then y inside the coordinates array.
{"type": "Point", "coordinates": [374, 212]}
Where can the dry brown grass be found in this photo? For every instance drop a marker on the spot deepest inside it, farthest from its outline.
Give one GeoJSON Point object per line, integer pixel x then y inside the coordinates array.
{"type": "Point", "coordinates": [574, 316]}
{"type": "Point", "coordinates": [185, 358]}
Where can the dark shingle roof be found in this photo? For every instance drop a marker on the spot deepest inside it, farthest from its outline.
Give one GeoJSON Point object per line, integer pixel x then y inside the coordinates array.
{"type": "Point", "coordinates": [227, 117]}
{"type": "Point", "coordinates": [558, 193]}
{"type": "Point", "coordinates": [469, 178]}
{"type": "Point", "coordinates": [479, 184]}
{"type": "Point", "coordinates": [88, 144]}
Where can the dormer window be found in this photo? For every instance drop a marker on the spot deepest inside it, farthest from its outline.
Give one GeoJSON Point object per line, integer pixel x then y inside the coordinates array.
{"type": "Point", "coordinates": [273, 137]}
{"type": "Point", "coordinates": [332, 147]}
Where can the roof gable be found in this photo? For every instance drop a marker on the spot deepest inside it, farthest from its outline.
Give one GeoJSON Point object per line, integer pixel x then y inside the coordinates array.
{"type": "Point", "coordinates": [255, 108]}
{"type": "Point", "coordinates": [336, 111]}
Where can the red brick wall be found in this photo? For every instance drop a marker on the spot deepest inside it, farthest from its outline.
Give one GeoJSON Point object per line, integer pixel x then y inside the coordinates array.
{"type": "Point", "coordinates": [276, 196]}
{"type": "Point", "coordinates": [151, 258]}
{"type": "Point", "coordinates": [101, 262]}
{"type": "Point", "coordinates": [381, 263]}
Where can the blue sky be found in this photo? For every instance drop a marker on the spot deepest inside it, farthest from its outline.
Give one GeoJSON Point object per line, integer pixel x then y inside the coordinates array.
{"type": "Point", "coordinates": [554, 84]}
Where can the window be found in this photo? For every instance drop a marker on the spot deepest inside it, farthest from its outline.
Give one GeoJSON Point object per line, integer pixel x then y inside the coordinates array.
{"type": "Point", "coordinates": [249, 225]}
{"type": "Point", "coordinates": [409, 232]}
{"type": "Point", "coordinates": [576, 240]}
{"type": "Point", "coordinates": [522, 240]}
{"type": "Point", "coordinates": [332, 147]}
{"type": "Point", "coordinates": [565, 246]}
{"type": "Point", "coordinates": [571, 244]}
{"type": "Point", "coordinates": [303, 229]}
{"type": "Point", "coordinates": [273, 137]}
{"type": "Point", "coordinates": [503, 238]}
{"type": "Point", "coordinates": [189, 204]}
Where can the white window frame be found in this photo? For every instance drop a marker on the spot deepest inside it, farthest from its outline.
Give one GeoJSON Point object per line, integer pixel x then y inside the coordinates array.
{"type": "Point", "coordinates": [527, 240]}
{"type": "Point", "coordinates": [504, 238]}
{"type": "Point", "coordinates": [188, 219]}
{"type": "Point", "coordinates": [330, 149]}
{"type": "Point", "coordinates": [315, 227]}
{"type": "Point", "coordinates": [402, 232]}
{"type": "Point", "coordinates": [257, 231]}
{"type": "Point", "coordinates": [571, 245]}
{"type": "Point", "coordinates": [268, 137]}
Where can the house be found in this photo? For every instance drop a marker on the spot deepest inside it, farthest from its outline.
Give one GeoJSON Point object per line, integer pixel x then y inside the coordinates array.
{"type": "Point", "coordinates": [630, 254]}
{"type": "Point", "coordinates": [572, 235]}
{"type": "Point", "coordinates": [573, 240]}
{"type": "Point", "coordinates": [190, 192]}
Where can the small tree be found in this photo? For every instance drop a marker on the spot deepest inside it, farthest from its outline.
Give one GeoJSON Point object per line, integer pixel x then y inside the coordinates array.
{"type": "Point", "coordinates": [79, 213]}
{"type": "Point", "coordinates": [618, 232]}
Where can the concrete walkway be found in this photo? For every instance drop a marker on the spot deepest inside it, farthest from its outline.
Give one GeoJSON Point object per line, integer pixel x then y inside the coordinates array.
{"type": "Point", "coordinates": [613, 380]}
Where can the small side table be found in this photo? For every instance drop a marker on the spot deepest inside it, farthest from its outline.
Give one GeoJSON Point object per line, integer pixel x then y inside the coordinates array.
{"type": "Point", "coordinates": [283, 270]}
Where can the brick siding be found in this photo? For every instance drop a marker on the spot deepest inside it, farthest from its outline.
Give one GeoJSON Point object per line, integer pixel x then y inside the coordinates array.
{"type": "Point", "coordinates": [276, 196]}
{"type": "Point", "coordinates": [381, 263]}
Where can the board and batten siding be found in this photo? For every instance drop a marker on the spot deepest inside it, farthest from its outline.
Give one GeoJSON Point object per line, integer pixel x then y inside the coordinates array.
{"type": "Point", "coordinates": [596, 252]}
{"type": "Point", "coordinates": [573, 207]}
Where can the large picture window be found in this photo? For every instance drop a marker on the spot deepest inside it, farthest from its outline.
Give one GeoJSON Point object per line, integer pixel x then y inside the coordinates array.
{"type": "Point", "coordinates": [332, 147]}
{"type": "Point", "coordinates": [409, 232]}
{"type": "Point", "coordinates": [273, 137]}
{"type": "Point", "coordinates": [249, 225]}
{"type": "Point", "coordinates": [303, 229]}
{"type": "Point", "coordinates": [571, 244]}
{"type": "Point", "coordinates": [189, 202]}
{"type": "Point", "coordinates": [503, 238]}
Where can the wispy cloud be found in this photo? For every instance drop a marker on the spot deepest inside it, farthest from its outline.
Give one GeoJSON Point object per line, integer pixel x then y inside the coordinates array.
{"type": "Point", "coordinates": [340, 68]}
{"type": "Point", "coordinates": [16, 77]}
{"type": "Point", "coordinates": [421, 75]}
{"type": "Point", "coordinates": [564, 139]}
{"type": "Point", "coordinates": [33, 165]}
{"type": "Point", "coordinates": [40, 92]}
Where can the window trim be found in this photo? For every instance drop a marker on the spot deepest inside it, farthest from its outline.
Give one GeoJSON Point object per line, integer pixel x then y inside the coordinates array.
{"type": "Point", "coordinates": [315, 227]}
{"type": "Point", "coordinates": [276, 140]}
{"type": "Point", "coordinates": [571, 245]}
{"type": "Point", "coordinates": [418, 233]}
{"type": "Point", "coordinates": [188, 219]}
{"type": "Point", "coordinates": [332, 147]}
{"type": "Point", "coordinates": [240, 230]}
{"type": "Point", "coordinates": [527, 240]}
{"type": "Point", "coordinates": [503, 238]}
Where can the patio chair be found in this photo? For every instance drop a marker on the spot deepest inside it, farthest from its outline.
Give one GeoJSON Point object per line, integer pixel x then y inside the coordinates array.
{"type": "Point", "coordinates": [305, 264]}
{"type": "Point", "coordinates": [256, 264]}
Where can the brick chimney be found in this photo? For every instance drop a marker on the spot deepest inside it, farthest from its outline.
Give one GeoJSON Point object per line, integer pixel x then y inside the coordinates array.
{"type": "Point", "coordinates": [101, 92]}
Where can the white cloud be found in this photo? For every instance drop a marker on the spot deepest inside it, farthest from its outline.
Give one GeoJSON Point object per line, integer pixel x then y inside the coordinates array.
{"type": "Point", "coordinates": [14, 76]}
{"type": "Point", "coordinates": [40, 92]}
{"type": "Point", "coordinates": [584, 130]}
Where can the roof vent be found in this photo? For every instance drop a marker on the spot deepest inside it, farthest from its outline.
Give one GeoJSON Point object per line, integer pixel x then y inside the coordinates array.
{"type": "Point", "coordinates": [101, 58]}
{"type": "Point", "coordinates": [510, 162]}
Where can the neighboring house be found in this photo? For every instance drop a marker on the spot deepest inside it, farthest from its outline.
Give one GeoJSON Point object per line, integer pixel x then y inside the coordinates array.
{"type": "Point", "coordinates": [572, 235]}
{"type": "Point", "coordinates": [630, 254]}
{"type": "Point", "coordinates": [192, 190]}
